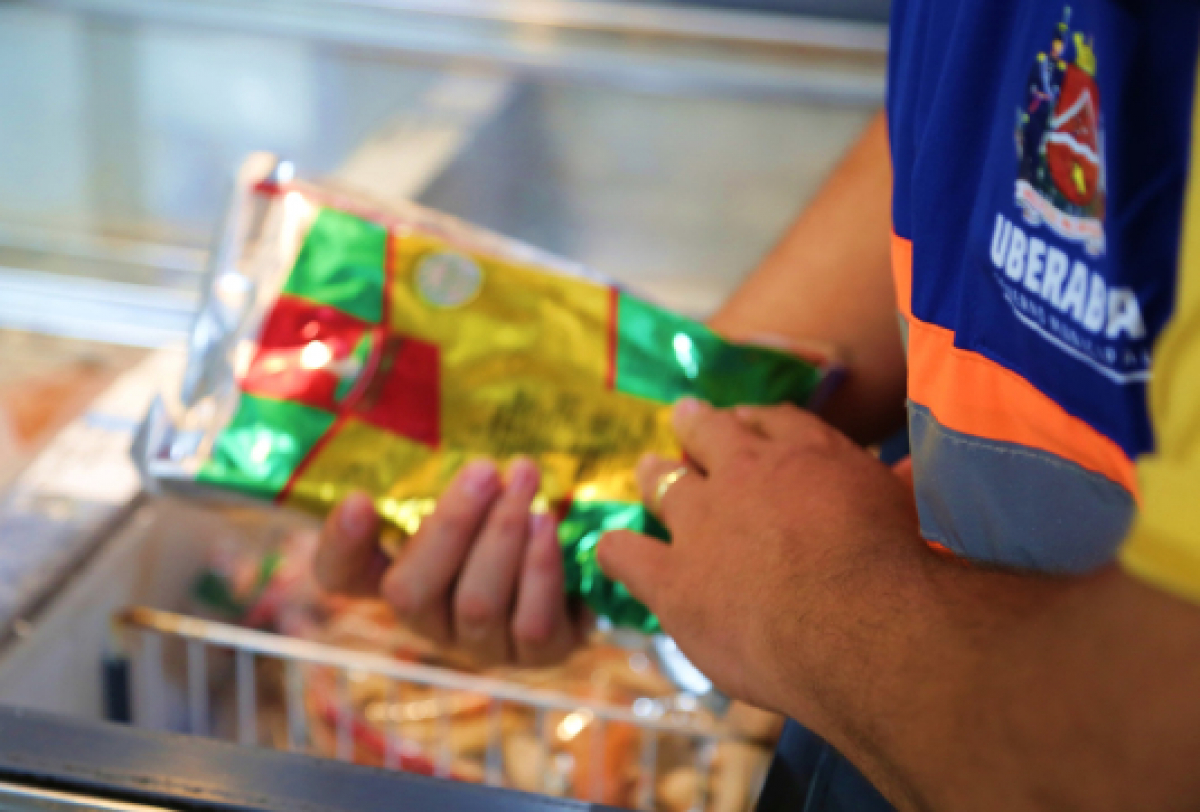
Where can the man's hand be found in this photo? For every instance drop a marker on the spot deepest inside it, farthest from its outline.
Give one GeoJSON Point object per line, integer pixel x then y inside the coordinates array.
{"type": "Point", "coordinates": [482, 574]}
{"type": "Point", "coordinates": [775, 514]}
{"type": "Point", "coordinates": [796, 579]}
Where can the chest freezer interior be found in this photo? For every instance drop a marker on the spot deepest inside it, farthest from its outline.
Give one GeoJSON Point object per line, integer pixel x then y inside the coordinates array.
{"type": "Point", "coordinates": [182, 619]}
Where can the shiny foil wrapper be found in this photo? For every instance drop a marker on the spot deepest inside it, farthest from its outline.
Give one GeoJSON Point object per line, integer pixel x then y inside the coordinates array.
{"type": "Point", "coordinates": [346, 346]}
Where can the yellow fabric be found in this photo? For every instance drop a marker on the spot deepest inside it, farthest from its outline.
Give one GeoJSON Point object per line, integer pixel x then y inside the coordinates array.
{"type": "Point", "coordinates": [1164, 547]}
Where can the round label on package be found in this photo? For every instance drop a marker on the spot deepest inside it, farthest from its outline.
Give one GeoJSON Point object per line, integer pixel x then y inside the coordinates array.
{"type": "Point", "coordinates": [448, 279]}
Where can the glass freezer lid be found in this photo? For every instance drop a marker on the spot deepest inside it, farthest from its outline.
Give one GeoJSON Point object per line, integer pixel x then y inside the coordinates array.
{"type": "Point", "coordinates": [637, 144]}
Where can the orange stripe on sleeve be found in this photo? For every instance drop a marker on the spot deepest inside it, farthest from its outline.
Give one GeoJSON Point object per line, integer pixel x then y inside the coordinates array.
{"type": "Point", "coordinates": [974, 395]}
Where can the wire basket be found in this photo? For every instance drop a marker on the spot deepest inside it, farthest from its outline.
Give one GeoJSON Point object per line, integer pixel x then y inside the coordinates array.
{"type": "Point", "coordinates": [258, 689]}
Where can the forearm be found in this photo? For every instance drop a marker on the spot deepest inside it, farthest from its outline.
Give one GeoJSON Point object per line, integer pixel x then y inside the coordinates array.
{"type": "Point", "coordinates": [957, 688]}
{"type": "Point", "coordinates": [829, 280]}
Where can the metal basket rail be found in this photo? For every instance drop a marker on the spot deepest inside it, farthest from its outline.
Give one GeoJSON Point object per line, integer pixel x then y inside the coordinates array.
{"type": "Point", "coordinates": [146, 633]}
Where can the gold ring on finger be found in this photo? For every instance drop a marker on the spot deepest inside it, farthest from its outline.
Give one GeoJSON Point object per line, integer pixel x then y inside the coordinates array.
{"type": "Point", "coordinates": [664, 484]}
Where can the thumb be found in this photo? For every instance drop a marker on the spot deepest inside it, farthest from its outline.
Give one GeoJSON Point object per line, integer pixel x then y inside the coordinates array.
{"type": "Point", "coordinates": [348, 559]}
{"type": "Point", "coordinates": [639, 562]}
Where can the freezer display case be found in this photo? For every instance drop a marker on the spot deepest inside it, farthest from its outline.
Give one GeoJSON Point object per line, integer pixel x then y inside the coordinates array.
{"type": "Point", "coordinates": [664, 144]}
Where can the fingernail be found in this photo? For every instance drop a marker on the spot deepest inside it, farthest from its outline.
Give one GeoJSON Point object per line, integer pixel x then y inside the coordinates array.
{"type": "Point", "coordinates": [686, 408]}
{"type": "Point", "coordinates": [357, 516]}
{"type": "Point", "coordinates": [523, 476]}
{"type": "Point", "coordinates": [479, 478]}
{"type": "Point", "coordinates": [604, 551]}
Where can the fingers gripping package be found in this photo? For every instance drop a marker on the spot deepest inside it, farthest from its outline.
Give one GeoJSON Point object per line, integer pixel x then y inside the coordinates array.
{"type": "Point", "coordinates": [345, 346]}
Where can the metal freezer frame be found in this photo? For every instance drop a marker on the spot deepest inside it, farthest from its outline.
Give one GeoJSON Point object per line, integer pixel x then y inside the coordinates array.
{"type": "Point", "coordinates": [45, 757]}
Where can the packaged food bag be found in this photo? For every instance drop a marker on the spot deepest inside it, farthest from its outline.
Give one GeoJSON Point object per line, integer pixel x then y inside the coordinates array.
{"type": "Point", "coordinates": [343, 346]}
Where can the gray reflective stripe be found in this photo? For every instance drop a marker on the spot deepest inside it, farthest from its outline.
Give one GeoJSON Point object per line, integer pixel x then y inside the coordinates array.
{"type": "Point", "coordinates": [1008, 504]}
